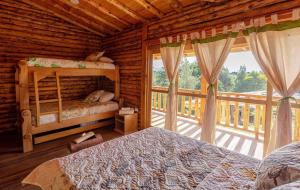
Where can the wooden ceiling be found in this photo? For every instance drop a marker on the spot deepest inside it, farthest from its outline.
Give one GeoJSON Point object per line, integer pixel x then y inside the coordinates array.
{"type": "Point", "coordinates": [107, 17]}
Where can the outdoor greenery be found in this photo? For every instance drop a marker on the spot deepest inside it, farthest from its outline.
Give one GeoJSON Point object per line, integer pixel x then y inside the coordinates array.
{"type": "Point", "coordinates": [189, 78]}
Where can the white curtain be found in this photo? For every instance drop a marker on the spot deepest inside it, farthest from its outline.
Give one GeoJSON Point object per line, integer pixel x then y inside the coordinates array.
{"type": "Point", "coordinates": [211, 54]}
{"type": "Point", "coordinates": [276, 48]}
{"type": "Point", "coordinates": [171, 53]}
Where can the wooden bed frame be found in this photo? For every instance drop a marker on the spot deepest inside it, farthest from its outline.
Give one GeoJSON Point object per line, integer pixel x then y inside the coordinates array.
{"type": "Point", "coordinates": [26, 75]}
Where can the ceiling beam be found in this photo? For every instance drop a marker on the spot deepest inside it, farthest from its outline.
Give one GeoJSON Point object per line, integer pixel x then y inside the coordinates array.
{"type": "Point", "coordinates": [213, 1]}
{"type": "Point", "coordinates": [103, 10]}
{"type": "Point", "coordinates": [126, 10]}
{"type": "Point", "coordinates": [77, 14]}
{"type": "Point", "coordinates": [149, 7]}
{"type": "Point", "coordinates": [89, 10]}
{"type": "Point", "coordinates": [176, 5]}
{"type": "Point", "coordinates": [61, 14]}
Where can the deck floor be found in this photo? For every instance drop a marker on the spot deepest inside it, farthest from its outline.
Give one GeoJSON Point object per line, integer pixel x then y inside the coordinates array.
{"type": "Point", "coordinates": [232, 139]}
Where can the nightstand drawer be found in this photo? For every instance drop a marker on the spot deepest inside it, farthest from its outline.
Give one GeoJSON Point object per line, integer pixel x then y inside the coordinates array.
{"type": "Point", "coordinates": [126, 124]}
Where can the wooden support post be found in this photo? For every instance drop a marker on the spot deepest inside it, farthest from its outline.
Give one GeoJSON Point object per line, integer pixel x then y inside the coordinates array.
{"type": "Point", "coordinates": [196, 108]}
{"type": "Point", "coordinates": [146, 82]}
{"type": "Point", "coordinates": [117, 83]}
{"type": "Point", "coordinates": [182, 105]}
{"type": "Point", "coordinates": [59, 98]}
{"type": "Point", "coordinates": [297, 125]}
{"type": "Point", "coordinates": [24, 107]}
{"type": "Point", "coordinates": [203, 100]}
{"type": "Point", "coordinates": [176, 91]}
{"type": "Point", "coordinates": [263, 117]}
{"type": "Point", "coordinates": [268, 116]}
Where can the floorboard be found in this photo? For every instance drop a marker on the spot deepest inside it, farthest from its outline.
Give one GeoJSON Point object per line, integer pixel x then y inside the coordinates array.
{"type": "Point", "coordinates": [15, 165]}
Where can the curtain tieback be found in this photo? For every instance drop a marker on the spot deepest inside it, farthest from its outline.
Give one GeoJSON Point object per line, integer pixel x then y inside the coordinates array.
{"type": "Point", "coordinates": [287, 98]}
{"type": "Point", "coordinates": [172, 83]}
{"type": "Point", "coordinates": [211, 86]}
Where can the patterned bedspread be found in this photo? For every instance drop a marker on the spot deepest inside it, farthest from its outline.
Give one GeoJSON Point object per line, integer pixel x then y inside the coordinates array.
{"type": "Point", "coordinates": [150, 159]}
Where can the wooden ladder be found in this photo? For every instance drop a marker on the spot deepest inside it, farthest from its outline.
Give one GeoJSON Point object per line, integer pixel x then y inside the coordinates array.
{"type": "Point", "coordinates": [37, 76]}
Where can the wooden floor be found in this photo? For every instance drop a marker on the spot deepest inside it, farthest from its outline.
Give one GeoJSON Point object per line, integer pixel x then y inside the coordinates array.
{"type": "Point", "coordinates": [14, 165]}
{"type": "Point", "coordinates": [229, 138]}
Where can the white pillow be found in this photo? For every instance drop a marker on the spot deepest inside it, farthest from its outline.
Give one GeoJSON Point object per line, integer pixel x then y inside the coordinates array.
{"type": "Point", "coordinates": [106, 96]}
{"type": "Point", "coordinates": [94, 56]}
{"type": "Point", "coordinates": [105, 59]}
{"type": "Point", "coordinates": [94, 96]}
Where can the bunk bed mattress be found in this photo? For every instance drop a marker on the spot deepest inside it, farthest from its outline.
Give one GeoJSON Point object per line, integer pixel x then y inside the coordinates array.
{"type": "Point", "coordinates": [149, 159]}
{"type": "Point", "coordinates": [73, 109]}
{"type": "Point", "coordinates": [63, 63]}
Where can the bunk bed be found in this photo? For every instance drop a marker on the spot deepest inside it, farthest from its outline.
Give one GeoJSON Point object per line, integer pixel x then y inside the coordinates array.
{"type": "Point", "coordinates": [54, 114]}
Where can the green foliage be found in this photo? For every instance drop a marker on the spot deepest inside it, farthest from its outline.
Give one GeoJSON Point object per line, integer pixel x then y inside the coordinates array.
{"type": "Point", "coordinates": [226, 81]}
{"type": "Point", "coordinates": [189, 78]}
{"type": "Point", "coordinates": [189, 75]}
{"type": "Point", "coordinates": [249, 81]}
{"type": "Point", "coordinates": [160, 79]}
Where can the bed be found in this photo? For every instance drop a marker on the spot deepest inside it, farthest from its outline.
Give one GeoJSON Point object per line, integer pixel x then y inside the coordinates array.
{"type": "Point", "coordinates": [73, 109]}
{"type": "Point", "coordinates": [47, 119]}
{"type": "Point", "coordinates": [132, 162]}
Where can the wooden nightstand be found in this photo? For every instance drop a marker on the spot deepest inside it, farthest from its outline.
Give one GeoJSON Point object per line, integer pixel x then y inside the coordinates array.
{"type": "Point", "coordinates": [126, 124]}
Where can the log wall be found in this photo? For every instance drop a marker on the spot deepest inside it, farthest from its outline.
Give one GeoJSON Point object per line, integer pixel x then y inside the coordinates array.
{"type": "Point", "coordinates": [26, 32]}
{"type": "Point", "coordinates": [198, 17]}
{"type": "Point", "coordinates": [126, 50]}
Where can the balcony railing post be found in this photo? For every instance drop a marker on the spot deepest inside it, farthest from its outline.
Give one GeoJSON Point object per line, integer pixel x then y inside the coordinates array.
{"type": "Point", "coordinates": [236, 114]}
{"type": "Point", "coordinates": [257, 120]}
{"type": "Point", "coordinates": [268, 117]}
{"type": "Point", "coordinates": [193, 108]}
{"type": "Point", "coordinates": [159, 102]}
{"type": "Point", "coordinates": [227, 114]}
{"type": "Point", "coordinates": [165, 102]}
{"type": "Point", "coordinates": [190, 106]}
{"type": "Point", "coordinates": [246, 116]}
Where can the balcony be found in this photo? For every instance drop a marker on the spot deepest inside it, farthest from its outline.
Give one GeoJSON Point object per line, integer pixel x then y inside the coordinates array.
{"type": "Point", "coordinates": [240, 118]}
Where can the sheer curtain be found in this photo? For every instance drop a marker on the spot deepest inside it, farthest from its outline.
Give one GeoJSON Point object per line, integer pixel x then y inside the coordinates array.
{"type": "Point", "coordinates": [171, 53]}
{"type": "Point", "coordinates": [211, 54]}
{"type": "Point", "coordinates": [276, 47]}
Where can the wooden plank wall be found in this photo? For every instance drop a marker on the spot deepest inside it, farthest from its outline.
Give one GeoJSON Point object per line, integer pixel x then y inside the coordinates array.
{"type": "Point", "coordinates": [196, 17]}
{"type": "Point", "coordinates": [126, 50]}
{"type": "Point", "coordinates": [26, 32]}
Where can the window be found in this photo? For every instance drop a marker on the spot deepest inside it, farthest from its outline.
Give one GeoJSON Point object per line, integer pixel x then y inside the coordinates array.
{"type": "Point", "coordinates": [159, 77]}
{"type": "Point", "coordinates": [241, 73]}
{"type": "Point", "coordinates": [189, 73]}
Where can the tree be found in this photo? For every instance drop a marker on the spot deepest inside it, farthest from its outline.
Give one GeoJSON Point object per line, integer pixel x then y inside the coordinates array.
{"type": "Point", "coordinates": [189, 75]}
{"type": "Point", "coordinates": [226, 81]}
{"type": "Point", "coordinates": [160, 78]}
{"type": "Point", "coordinates": [249, 82]}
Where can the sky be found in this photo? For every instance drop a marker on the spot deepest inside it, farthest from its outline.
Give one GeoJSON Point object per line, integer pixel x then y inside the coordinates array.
{"type": "Point", "coordinates": [233, 62]}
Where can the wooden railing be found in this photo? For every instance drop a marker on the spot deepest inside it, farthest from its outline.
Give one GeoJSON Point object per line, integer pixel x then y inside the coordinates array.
{"type": "Point", "coordinates": [240, 111]}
